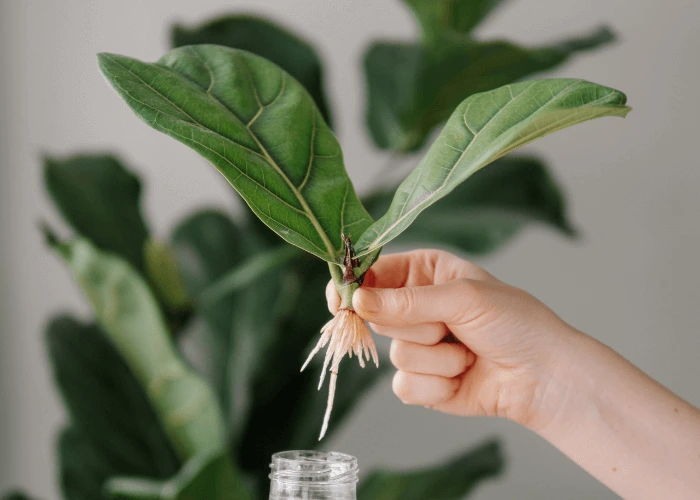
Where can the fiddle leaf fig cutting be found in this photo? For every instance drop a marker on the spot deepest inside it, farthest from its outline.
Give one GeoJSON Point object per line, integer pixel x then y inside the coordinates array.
{"type": "Point", "coordinates": [262, 130]}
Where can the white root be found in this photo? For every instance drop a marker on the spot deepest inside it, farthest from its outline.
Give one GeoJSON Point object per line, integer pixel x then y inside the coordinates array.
{"type": "Point", "coordinates": [329, 405]}
{"type": "Point", "coordinates": [345, 334]}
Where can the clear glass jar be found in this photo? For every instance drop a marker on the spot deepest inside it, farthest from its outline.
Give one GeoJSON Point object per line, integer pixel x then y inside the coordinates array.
{"type": "Point", "coordinates": [313, 475]}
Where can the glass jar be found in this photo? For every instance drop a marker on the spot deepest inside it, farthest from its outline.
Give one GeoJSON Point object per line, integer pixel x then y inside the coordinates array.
{"type": "Point", "coordinates": [313, 475]}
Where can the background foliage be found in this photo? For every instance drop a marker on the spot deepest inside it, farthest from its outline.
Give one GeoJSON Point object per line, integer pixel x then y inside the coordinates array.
{"type": "Point", "coordinates": [214, 282]}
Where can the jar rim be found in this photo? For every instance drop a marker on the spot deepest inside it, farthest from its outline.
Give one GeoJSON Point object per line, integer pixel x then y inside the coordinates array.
{"type": "Point", "coordinates": [319, 468]}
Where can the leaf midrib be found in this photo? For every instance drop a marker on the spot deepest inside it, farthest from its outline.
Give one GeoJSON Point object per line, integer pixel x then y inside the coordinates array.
{"type": "Point", "coordinates": [306, 209]}
{"type": "Point", "coordinates": [270, 160]}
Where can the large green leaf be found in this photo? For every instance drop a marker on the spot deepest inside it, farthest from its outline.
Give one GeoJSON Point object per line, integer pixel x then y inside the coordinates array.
{"type": "Point", "coordinates": [109, 412]}
{"type": "Point", "coordinates": [240, 326]}
{"type": "Point", "coordinates": [443, 18]}
{"type": "Point", "coordinates": [128, 312]}
{"type": "Point", "coordinates": [481, 215]}
{"type": "Point", "coordinates": [208, 244]}
{"type": "Point", "coordinates": [260, 128]}
{"type": "Point", "coordinates": [484, 128]}
{"type": "Point", "coordinates": [212, 248]}
{"type": "Point", "coordinates": [204, 477]}
{"type": "Point", "coordinates": [449, 481]}
{"type": "Point", "coordinates": [412, 88]}
{"type": "Point", "coordinates": [264, 38]}
{"type": "Point", "coordinates": [100, 199]}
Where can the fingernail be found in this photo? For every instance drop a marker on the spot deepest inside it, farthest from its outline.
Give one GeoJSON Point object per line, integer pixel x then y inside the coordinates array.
{"type": "Point", "coordinates": [368, 300]}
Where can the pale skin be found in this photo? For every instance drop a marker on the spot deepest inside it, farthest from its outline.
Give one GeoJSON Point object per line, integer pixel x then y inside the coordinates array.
{"type": "Point", "coordinates": [467, 344]}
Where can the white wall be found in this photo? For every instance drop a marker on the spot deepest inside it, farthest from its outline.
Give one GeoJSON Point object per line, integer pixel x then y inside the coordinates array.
{"type": "Point", "coordinates": [631, 281]}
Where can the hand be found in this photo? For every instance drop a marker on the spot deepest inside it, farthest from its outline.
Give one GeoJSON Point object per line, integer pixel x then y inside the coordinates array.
{"type": "Point", "coordinates": [508, 355]}
{"type": "Point", "coordinates": [505, 346]}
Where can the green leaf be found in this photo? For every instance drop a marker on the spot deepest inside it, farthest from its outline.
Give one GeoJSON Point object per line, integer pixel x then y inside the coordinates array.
{"type": "Point", "coordinates": [100, 199]}
{"type": "Point", "coordinates": [249, 272]}
{"type": "Point", "coordinates": [216, 256]}
{"type": "Point", "coordinates": [83, 468]}
{"type": "Point", "coordinates": [481, 215]}
{"type": "Point", "coordinates": [441, 18]}
{"type": "Point", "coordinates": [260, 128]}
{"type": "Point", "coordinates": [482, 129]}
{"type": "Point", "coordinates": [163, 271]}
{"type": "Point", "coordinates": [413, 88]}
{"type": "Point", "coordinates": [109, 411]}
{"type": "Point", "coordinates": [204, 477]}
{"type": "Point", "coordinates": [128, 312]}
{"type": "Point", "coordinates": [449, 481]}
{"type": "Point", "coordinates": [266, 39]}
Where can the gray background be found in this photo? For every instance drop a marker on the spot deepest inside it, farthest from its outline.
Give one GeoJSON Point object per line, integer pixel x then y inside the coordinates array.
{"type": "Point", "coordinates": [631, 281]}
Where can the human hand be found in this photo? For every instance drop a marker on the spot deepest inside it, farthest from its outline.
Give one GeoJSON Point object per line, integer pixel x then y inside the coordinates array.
{"type": "Point", "coordinates": [508, 355]}
{"type": "Point", "coordinates": [504, 352]}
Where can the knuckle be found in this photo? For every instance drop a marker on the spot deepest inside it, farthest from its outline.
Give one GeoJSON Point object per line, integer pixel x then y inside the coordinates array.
{"type": "Point", "coordinates": [404, 301]}
{"type": "Point", "coordinates": [471, 300]}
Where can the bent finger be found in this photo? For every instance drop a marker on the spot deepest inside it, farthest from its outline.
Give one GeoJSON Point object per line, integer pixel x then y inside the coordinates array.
{"type": "Point", "coordinates": [424, 333]}
{"type": "Point", "coordinates": [444, 360]}
{"type": "Point", "coordinates": [425, 390]}
{"type": "Point", "coordinates": [420, 268]}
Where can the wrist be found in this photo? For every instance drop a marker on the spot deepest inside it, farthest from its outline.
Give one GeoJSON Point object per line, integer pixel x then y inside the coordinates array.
{"type": "Point", "coordinates": [567, 387]}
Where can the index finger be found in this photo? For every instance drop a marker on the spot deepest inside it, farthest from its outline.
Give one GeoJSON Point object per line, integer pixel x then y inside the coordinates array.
{"type": "Point", "coordinates": [421, 268]}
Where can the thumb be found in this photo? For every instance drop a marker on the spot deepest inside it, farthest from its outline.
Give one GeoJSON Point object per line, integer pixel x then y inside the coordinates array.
{"type": "Point", "coordinates": [445, 303]}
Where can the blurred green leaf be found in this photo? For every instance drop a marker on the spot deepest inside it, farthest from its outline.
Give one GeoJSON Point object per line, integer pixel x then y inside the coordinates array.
{"type": "Point", "coordinates": [100, 198]}
{"type": "Point", "coordinates": [483, 214]}
{"type": "Point", "coordinates": [83, 466]}
{"type": "Point", "coordinates": [129, 314]}
{"type": "Point", "coordinates": [412, 88]}
{"type": "Point", "coordinates": [249, 272]}
{"type": "Point", "coordinates": [111, 417]}
{"type": "Point", "coordinates": [212, 250]}
{"type": "Point", "coordinates": [440, 19]}
{"type": "Point", "coordinates": [204, 477]}
{"type": "Point", "coordinates": [259, 128]}
{"type": "Point", "coordinates": [482, 129]}
{"type": "Point", "coordinates": [452, 480]}
{"type": "Point", "coordinates": [264, 38]}
{"type": "Point", "coordinates": [163, 271]}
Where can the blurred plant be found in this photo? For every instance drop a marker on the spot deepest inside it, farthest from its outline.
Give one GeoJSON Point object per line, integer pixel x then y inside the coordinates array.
{"type": "Point", "coordinates": [188, 378]}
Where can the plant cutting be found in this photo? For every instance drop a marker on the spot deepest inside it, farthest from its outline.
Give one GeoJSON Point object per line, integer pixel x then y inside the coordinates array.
{"type": "Point", "coordinates": [262, 130]}
{"type": "Point", "coordinates": [213, 283]}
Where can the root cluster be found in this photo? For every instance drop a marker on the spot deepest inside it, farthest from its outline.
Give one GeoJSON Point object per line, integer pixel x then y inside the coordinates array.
{"type": "Point", "coordinates": [346, 333]}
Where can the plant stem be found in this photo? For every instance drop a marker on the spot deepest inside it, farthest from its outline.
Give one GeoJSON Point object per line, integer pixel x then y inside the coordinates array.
{"type": "Point", "coordinates": [347, 290]}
